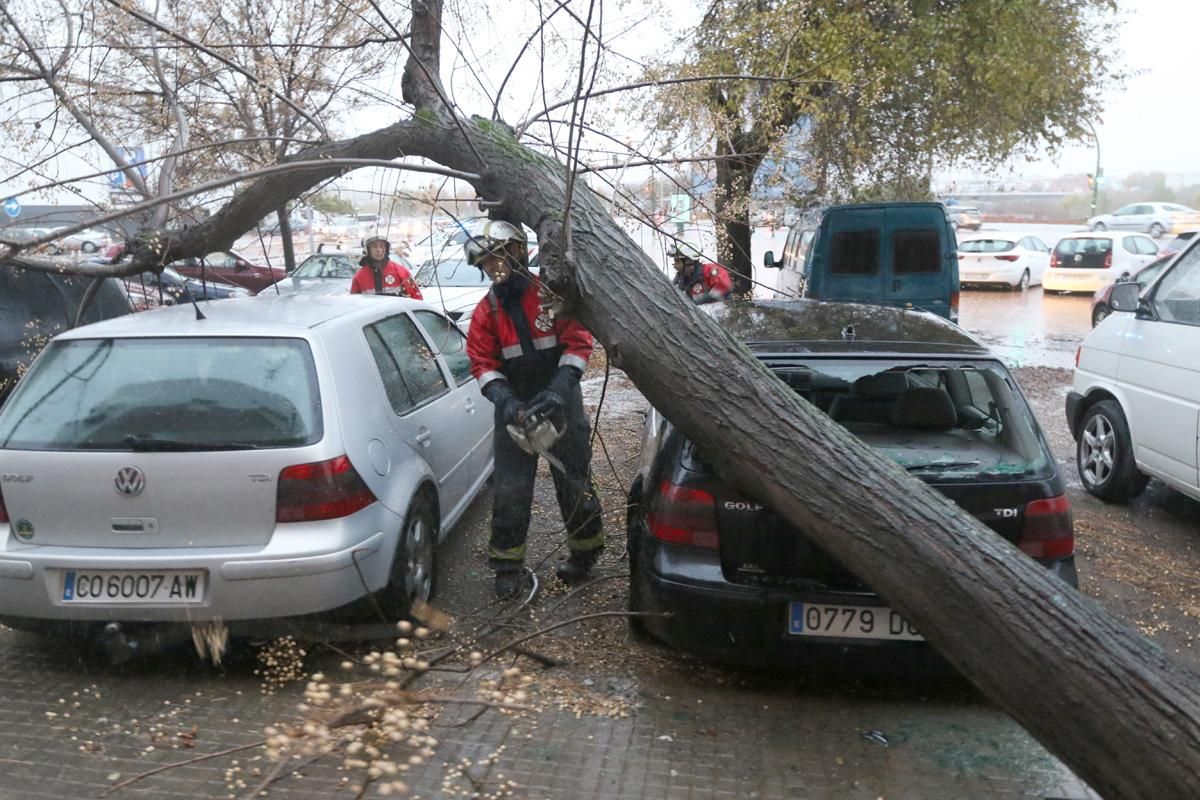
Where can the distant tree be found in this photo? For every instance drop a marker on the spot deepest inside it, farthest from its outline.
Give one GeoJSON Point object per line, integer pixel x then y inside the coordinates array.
{"type": "Point", "coordinates": [331, 204]}
{"type": "Point", "coordinates": [888, 89]}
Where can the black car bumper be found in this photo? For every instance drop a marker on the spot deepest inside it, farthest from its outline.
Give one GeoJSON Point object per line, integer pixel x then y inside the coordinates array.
{"type": "Point", "coordinates": [1074, 413]}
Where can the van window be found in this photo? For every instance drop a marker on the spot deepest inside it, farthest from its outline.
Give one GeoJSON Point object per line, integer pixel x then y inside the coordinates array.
{"type": "Point", "coordinates": [915, 252]}
{"type": "Point", "coordinates": [1177, 298]}
{"type": "Point", "coordinates": [854, 253]}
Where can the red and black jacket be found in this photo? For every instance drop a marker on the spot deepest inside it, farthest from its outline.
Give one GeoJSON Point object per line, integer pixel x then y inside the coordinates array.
{"type": "Point", "coordinates": [705, 283]}
{"type": "Point", "coordinates": [522, 343]}
{"type": "Point", "coordinates": [393, 279]}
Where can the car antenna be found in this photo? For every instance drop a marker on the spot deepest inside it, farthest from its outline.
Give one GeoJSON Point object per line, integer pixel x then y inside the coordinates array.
{"type": "Point", "coordinates": [195, 305]}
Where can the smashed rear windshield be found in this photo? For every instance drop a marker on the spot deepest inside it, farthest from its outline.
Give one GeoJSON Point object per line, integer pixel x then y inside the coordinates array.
{"type": "Point", "coordinates": [180, 394]}
{"type": "Point", "coordinates": [945, 421]}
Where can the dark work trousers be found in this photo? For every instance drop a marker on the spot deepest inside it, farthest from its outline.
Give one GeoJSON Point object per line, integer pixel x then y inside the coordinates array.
{"type": "Point", "coordinates": [513, 489]}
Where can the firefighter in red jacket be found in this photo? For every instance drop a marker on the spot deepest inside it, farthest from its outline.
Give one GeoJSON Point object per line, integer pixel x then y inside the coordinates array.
{"type": "Point", "coordinates": [378, 274]}
{"type": "Point", "coordinates": [703, 283]}
{"type": "Point", "coordinates": [524, 358]}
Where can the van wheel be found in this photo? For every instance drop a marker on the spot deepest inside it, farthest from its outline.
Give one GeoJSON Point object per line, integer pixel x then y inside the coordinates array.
{"type": "Point", "coordinates": [1104, 455]}
{"type": "Point", "coordinates": [414, 572]}
{"type": "Point", "coordinates": [1023, 284]}
{"type": "Point", "coordinates": [1100, 314]}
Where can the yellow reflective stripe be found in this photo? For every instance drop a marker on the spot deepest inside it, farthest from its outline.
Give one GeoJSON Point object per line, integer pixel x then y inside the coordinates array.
{"type": "Point", "coordinates": [586, 545]}
{"type": "Point", "coordinates": [509, 554]}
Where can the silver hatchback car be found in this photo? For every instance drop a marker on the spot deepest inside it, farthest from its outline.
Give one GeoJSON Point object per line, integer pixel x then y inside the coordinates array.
{"type": "Point", "coordinates": [282, 456]}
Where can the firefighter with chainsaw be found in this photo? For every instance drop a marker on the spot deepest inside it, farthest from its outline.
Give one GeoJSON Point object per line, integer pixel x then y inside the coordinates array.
{"type": "Point", "coordinates": [378, 274]}
{"type": "Point", "coordinates": [528, 364]}
{"type": "Point", "coordinates": [702, 283]}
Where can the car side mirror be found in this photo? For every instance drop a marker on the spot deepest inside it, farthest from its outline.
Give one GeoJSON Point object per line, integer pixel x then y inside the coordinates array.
{"type": "Point", "coordinates": [1125, 297]}
{"type": "Point", "coordinates": [769, 260]}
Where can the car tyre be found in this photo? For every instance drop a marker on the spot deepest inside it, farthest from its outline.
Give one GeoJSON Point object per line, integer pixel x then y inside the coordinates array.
{"type": "Point", "coordinates": [633, 522]}
{"type": "Point", "coordinates": [1023, 284]}
{"type": "Point", "coordinates": [1099, 226]}
{"type": "Point", "coordinates": [413, 576]}
{"type": "Point", "coordinates": [1104, 455]}
{"type": "Point", "coordinates": [1100, 313]}
{"type": "Point", "coordinates": [1157, 230]}
{"type": "Point", "coordinates": [89, 247]}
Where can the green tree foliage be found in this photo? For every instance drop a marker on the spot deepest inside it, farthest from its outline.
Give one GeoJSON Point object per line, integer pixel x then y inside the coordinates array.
{"type": "Point", "coordinates": [331, 204]}
{"type": "Point", "coordinates": [877, 93]}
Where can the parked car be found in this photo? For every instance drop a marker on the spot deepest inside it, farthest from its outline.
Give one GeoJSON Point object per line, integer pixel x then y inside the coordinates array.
{"type": "Point", "coordinates": [1084, 262]}
{"type": "Point", "coordinates": [1000, 260]}
{"type": "Point", "coordinates": [1152, 218]}
{"type": "Point", "coordinates": [792, 262]}
{"type": "Point", "coordinates": [87, 241]}
{"type": "Point", "coordinates": [231, 267]}
{"type": "Point", "coordinates": [35, 306]}
{"type": "Point", "coordinates": [283, 456]}
{"type": "Point", "coordinates": [150, 289]}
{"type": "Point", "coordinates": [968, 217]}
{"type": "Point", "coordinates": [739, 582]}
{"type": "Point", "coordinates": [891, 254]}
{"type": "Point", "coordinates": [1142, 276]}
{"type": "Point", "coordinates": [321, 273]}
{"type": "Point", "coordinates": [1133, 407]}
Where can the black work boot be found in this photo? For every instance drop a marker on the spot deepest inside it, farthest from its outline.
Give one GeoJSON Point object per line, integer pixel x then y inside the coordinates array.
{"type": "Point", "coordinates": [576, 568]}
{"type": "Point", "coordinates": [508, 581]}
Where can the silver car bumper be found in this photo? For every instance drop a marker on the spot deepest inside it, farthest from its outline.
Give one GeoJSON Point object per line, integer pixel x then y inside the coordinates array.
{"type": "Point", "coordinates": [305, 568]}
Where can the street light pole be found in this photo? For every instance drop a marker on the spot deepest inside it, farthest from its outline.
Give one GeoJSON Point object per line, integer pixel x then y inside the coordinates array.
{"type": "Point", "coordinates": [1096, 174]}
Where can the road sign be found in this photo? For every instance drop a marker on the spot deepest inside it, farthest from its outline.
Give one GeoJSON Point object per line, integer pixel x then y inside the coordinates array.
{"type": "Point", "coordinates": [12, 207]}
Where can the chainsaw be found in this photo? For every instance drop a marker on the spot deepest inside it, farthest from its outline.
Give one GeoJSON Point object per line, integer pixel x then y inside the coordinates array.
{"type": "Point", "coordinates": [535, 433]}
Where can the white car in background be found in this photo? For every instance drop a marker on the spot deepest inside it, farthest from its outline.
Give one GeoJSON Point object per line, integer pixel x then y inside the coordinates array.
{"type": "Point", "coordinates": [1133, 411]}
{"type": "Point", "coordinates": [1085, 262]}
{"type": "Point", "coordinates": [1001, 260]}
{"type": "Point", "coordinates": [1152, 218]}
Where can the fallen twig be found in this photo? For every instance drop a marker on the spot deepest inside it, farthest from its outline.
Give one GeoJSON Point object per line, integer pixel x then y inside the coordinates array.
{"type": "Point", "coordinates": [195, 760]}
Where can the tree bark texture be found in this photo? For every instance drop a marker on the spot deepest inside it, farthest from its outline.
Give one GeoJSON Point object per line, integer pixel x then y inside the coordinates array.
{"type": "Point", "coordinates": [1106, 701]}
{"type": "Point", "coordinates": [732, 214]}
{"type": "Point", "coordinates": [285, 234]}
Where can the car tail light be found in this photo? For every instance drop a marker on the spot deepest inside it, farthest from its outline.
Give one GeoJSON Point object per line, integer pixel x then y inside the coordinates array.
{"type": "Point", "coordinates": [1108, 260]}
{"type": "Point", "coordinates": [3, 510]}
{"type": "Point", "coordinates": [954, 307]}
{"type": "Point", "coordinates": [961, 256]}
{"type": "Point", "coordinates": [680, 515]}
{"type": "Point", "coordinates": [1078, 350]}
{"type": "Point", "coordinates": [1006, 258]}
{"type": "Point", "coordinates": [321, 490]}
{"type": "Point", "coordinates": [1053, 260]}
{"type": "Point", "coordinates": [1047, 531]}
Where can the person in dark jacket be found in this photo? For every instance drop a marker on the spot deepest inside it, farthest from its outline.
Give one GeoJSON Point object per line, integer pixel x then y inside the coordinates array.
{"type": "Point", "coordinates": [378, 274]}
{"type": "Point", "coordinates": [527, 359]}
{"type": "Point", "coordinates": [702, 283]}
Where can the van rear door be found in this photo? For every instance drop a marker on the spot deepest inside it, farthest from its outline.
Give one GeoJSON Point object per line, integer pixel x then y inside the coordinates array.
{"type": "Point", "coordinates": [919, 262]}
{"type": "Point", "coordinates": [853, 252]}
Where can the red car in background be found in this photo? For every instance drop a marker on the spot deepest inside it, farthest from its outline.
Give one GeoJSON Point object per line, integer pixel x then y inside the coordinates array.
{"type": "Point", "coordinates": [229, 266]}
{"type": "Point", "coordinates": [1142, 277]}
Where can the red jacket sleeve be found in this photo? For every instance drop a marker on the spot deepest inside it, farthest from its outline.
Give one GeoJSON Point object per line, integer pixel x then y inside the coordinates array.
{"type": "Point", "coordinates": [483, 347]}
{"type": "Point", "coordinates": [410, 286]}
{"type": "Point", "coordinates": [717, 278]}
{"type": "Point", "coordinates": [576, 343]}
{"type": "Point", "coordinates": [359, 282]}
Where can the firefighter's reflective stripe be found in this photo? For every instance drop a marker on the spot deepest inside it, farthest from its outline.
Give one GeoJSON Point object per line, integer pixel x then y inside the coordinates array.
{"type": "Point", "coordinates": [568, 360]}
{"type": "Point", "coordinates": [512, 351]}
{"type": "Point", "coordinates": [508, 554]}
{"type": "Point", "coordinates": [488, 377]}
{"type": "Point", "coordinates": [540, 343]}
{"type": "Point", "coordinates": [594, 542]}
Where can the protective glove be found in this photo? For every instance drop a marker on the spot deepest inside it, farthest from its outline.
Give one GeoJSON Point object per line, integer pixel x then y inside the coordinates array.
{"type": "Point", "coordinates": [554, 397]}
{"type": "Point", "coordinates": [508, 408]}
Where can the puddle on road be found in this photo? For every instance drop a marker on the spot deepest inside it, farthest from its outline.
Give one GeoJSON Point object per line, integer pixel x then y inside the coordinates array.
{"type": "Point", "coordinates": [1028, 328]}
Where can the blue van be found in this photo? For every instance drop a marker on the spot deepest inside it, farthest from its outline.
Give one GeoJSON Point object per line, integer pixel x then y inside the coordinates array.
{"type": "Point", "coordinates": [892, 254]}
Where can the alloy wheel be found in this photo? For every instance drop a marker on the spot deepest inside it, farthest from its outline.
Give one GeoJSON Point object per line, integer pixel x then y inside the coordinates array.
{"type": "Point", "coordinates": [1024, 284]}
{"type": "Point", "coordinates": [1097, 448]}
{"type": "Point", "coordinates": [418, 560]}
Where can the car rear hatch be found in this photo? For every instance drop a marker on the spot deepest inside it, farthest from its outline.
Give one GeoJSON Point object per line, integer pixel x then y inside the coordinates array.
{"type": "Point", "coordinates": [1083, 253]}
{"type": "Point", "coordinates": [157, 442]}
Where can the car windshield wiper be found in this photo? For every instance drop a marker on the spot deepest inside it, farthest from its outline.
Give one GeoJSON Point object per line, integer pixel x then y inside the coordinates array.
{"type": "Point", "coordinates": [940, 466]}
{"type": "Point", "coordinates": [146, 443]}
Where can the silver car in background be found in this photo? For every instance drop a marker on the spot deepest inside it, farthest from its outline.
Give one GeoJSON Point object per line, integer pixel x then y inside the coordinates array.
{"type": "Point", "coordinates": [282, 456]}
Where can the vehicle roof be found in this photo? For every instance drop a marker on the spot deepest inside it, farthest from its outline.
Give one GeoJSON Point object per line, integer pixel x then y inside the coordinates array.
{"type": "Point", "coordinates": [273, 315]}
{"type": "Point", "coordinates": [815, 326]}
{"type": "Point", "coordinates": [894, 204]}
{"type": "Point", "coordinates": [1104, 235]}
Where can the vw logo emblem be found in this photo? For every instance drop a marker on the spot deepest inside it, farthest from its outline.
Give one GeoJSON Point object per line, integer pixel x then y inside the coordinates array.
{"type": "Point", "coordinates": [130, 481]}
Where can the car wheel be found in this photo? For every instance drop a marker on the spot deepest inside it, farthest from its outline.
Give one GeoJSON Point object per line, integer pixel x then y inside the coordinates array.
{"type": "Point", "coordinates": [414, 572]}
{"type": "Point", "coordinates": [1099, 226]}
{"type": "Point", "coordinates": [88, 247]}
{"type": "Point", "coordinates": [1104, 455]}
{"type": "Point", "coordinates": [633, 522]}
{"type": "Point", "coordinates": [1100, 313]}
{"type": "Point", "coordinates": [1022, 284]}
{"type": "Point", "coordinates": [1157, 230]}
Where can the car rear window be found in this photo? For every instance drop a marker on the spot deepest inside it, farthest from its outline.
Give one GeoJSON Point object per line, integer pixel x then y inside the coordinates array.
{"type": "Point", "coordinates": [986, 246]}
{"type": "Point", "coordinates": [1089, 253]}
{"type": "Point", "coordinates": [178, 394]}
{"type": "Point", "coordinates": [950, 421]}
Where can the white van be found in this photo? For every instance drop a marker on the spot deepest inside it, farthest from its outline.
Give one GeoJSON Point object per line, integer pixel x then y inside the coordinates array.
{"type": "Point", "coordinates": [1135, 408]}
{"type": "Point", "coordinates": [1084, 262]}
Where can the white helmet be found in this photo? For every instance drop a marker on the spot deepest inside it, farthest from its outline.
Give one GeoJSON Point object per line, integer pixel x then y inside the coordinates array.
{"type": "Point", "coordinates": [685, 250]}
{"type": "Point", "coordinates": [494, 237]}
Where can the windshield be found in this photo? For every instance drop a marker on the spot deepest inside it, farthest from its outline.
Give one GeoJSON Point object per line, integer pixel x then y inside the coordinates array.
{"type": "Point", "coordinates": [453, 273]}
{"type": "Point", "coordinates": [326, 267]}
{"type": "Point", "coordinates": [986, 246]}
{"type": "Point", "coordinates": [947, 421]}
{"type": "Point", "coordinates": [180, 393]}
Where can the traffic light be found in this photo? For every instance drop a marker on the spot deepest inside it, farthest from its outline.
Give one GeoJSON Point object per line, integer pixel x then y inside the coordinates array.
{"type": "Point", "coordinates": [1091, 181]}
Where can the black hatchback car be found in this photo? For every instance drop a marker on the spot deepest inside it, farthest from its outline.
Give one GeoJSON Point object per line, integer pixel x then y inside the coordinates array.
{"type": "Point", "coordinates": [742, 584]}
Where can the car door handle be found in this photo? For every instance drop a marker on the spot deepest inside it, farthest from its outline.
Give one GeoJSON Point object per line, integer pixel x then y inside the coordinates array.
{"type": "Point", "coordinates": [470, 406]}
{"type": "Point", "coordinates": [425, 438]}
{"type": "Point", "coordinates": [896, 285]}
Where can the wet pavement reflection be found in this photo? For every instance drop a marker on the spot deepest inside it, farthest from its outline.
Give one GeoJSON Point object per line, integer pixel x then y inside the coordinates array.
{"type": "Point", "coordinates": [1030, 328]}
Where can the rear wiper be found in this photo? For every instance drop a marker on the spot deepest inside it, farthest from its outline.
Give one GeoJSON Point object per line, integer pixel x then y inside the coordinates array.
{"type": "Point", "coordinates": [941, 465]}
{"type": "Point", "coordinates": [145, 443]}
